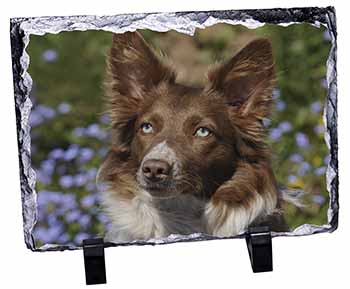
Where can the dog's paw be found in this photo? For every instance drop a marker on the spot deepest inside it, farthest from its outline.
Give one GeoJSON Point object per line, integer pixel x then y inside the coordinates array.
{"type": "Point", "coordinates": [224, 219]}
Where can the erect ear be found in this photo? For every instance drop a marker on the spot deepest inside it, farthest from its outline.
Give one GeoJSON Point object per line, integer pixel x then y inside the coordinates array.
{"type": "Point", "coordinates": [133, 67]}
{"type": "Point", "coordinates": [246, 80]}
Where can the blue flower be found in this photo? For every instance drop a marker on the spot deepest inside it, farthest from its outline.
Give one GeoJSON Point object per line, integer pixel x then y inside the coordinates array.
{"type": "Point", "coordinates": [266, 122]}
{"type": "Point", "coordinates": [66, 181]}
{"type": "Point", "coordinates": [88, 201]}
{"type": "Point", "coordinates": [320, 171]}
{"type": "Point", "coordinates": [80, 237]}
{"type": "Point", "coordinates": [84, 220]}
{"type": "Point", "coordinates": [327, 159]}
{"type": "Point", "coordinates": [285, 126]}
{"type": "Point", "coordinates": [56, 153]}
{"type": "Point", "coordinates": [45, 111]}
{"type": "Point", "coordinates": [35, 118]}
{"type": "Point", "coordinates": [281, 105]}
{"type": "Point", "coordinates": [324, 83]}
{"type": "Point", "coordinates": [304, 168]}
{"type": "Point", "coordinates": [48, 166]}
{"type": "Point", "coordinates": [63, 238]}
{"type": "Point", "coordinates": [71, 153]}
{"type": "Point", "coordinates": [73, 216]}
{"type": "Point", "coordinates": [318, 199]}
{"type": "Point", "coordinates": [319, 129]}
{"type": "Point", "coordinates": [297, 158]}
{"type": "Point", "coordinates": [316, 107]}
{"type": "Point", "coordinates": [49, 55]}
{"type": "Point", "coordinates": [105, 119]}
{"type": "Point", "coordinates": [275, 134]}
{"type": "Point", "coordinates": [85, 155]}
{"type": "Point", "coordinates": [302, 140]}
{"type": "Point", "coordinates": [64, 108]}
{"type": "Point", "coordinates": [327, 36]}
{"type": "Point", "coordinates": [80, 180]}
{"type": "Point", "coordinates": [79, 131]}
{"type": "Point", "coordinates": [43, 177]}
{"type": "Point", "coordinates": [276, 93]}
{"type": "Point", "coordinates": [292, 178]}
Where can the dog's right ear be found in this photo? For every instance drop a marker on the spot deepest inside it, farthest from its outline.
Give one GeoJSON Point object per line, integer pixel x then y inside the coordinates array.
{"type": "Point", "coordinates": [133, 67]}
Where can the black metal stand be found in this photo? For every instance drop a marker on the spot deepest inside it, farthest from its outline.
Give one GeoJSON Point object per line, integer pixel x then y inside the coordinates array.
{"type": "Point", "coordinates": [94, 260]}
{"type": "Point", "coordinates": [259, 243]}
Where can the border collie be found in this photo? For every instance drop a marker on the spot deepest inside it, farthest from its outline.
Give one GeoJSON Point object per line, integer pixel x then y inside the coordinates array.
{"type": "Point", "coordinates": [187, 159]}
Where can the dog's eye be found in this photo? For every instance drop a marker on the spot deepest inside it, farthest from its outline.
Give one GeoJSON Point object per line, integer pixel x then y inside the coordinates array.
{"type": "Point", "coordinates": [146, 128]}
{"type": "Point", "coordinates": [202, 132]}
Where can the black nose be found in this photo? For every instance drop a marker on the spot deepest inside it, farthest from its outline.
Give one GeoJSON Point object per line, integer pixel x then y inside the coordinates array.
{"type": "Point", "coordinates": [156, 170]}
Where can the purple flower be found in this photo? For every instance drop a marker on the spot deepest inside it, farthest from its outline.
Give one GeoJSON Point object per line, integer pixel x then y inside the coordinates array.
{"type": "Point", "coordinates": [302, 140]}
{"type": "Point", "coordinates": [292, 178]}
{"type": "Point", "coordinates": [316, 107]}
{"type": "Point", "coordinates": [281, 105]}
{"type": "Point", "coordinates": [327, 36]}
{"type": "Point", "coordinates": [91, 187]}
{"type": "Point", "coordinates": [327, 159]}
{"type": "Point", "coordinates": [48, 166]}
{"type": "Point", "coordinates": [304, 168]}
{"type": "Point", "coordinates": [63, 238]}
{"type": "Point", "coordinates": [94, 130]}
{"type": "Point", "coordinates": [71, 152]}
{"type": "Point", "coordinates": [297, 158]}
{"type": "Point", "coordinates": [56, 153]}
{"type": "Point", "coordinates": [80, 180]}
{"type": "Point", "coordinates": [80, 237]}
{"type": "Point", "coordinates": [320, 171]}
{"type": "Point", "coordinates": [86, 154]}
{"type": "Point", "coordinates": [276, 93]}
{"type": "Point", "coordinates": [285, 126]}
{"type": "Point", "coordinates": [318, 199]}
{"type": "Point", "coordinates": [319, 129]}
{"type": "Point", "coordinates": [45, 111]}
{"type": "Point", "coordinates": [105, 119]}
{"type": "Point", "coordinates": [103, 218]}
{"type": "Point", "coordinates": [64, 108]}
{"type": "Point", "coordinates": [73, 216]}
{"type": "Point", "coordinates": [266, 122]}
{"type": "Point", "coordinates": [79, 131]}
{"type": "Point", "coordinates": [68, 199]}
{"type": "Point", "coordinates": [275, 134]}
{"type": "Point", "coordinates": [66, 181]}
{"type": "Point", "coordinates": [324, 83]}
{"type": "Point", "coordinates": [49, 55]}
{"type": "Point", "coordinates": [91, 173]}
{"type": "Point", "coordinates": [35, 118]}
{"type": "Point", "coordinates": [84, 220]}
{"type": "Point", "coordinates": [43, 177]}
{"type": "Point", "coordinates": [88, 201]}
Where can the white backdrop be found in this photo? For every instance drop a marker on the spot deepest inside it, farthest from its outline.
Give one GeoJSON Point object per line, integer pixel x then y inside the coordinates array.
{"type": "Point", "coordinates": [318, 261]}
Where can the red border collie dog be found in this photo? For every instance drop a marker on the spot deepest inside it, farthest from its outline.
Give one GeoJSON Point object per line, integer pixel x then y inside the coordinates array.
{"type": "Point", "coordinates": [187, 159]}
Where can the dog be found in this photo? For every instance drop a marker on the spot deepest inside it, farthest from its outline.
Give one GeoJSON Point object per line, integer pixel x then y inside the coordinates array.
{"type": "Point", "coordinates": [188, 159]}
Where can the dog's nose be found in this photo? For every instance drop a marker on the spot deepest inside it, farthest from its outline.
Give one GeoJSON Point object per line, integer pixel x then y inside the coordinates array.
{"type": "Point", "coordinates": [156, 170]}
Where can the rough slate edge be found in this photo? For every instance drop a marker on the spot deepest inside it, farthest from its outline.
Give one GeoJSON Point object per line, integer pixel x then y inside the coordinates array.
{"type": "Point", "coordinates": [185, 22]}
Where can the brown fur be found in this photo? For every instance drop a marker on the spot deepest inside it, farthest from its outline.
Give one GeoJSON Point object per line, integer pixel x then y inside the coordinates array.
{"type": "Point", "coordinates": [229, 170]}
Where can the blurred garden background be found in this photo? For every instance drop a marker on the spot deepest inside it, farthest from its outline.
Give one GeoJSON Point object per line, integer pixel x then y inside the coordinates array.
{"type": "Point", "coordinates": [70, 132]}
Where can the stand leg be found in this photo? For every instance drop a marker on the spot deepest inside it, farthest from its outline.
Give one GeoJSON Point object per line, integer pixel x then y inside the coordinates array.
{"type": "Point", "coordinates": [94, 260]}
{"type": "Point", "coordinates": [259, 243]}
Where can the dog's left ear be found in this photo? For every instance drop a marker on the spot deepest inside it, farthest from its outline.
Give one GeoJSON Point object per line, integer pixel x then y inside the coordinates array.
{"type": "Point", "coordinates": [247, 79]}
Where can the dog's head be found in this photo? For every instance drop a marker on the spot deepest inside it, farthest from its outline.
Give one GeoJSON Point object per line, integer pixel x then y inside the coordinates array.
{"type": "Point", "coordinates": [176, 138]}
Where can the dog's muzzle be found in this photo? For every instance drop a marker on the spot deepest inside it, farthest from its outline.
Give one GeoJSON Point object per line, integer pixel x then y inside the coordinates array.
{"type": "Point", "coordinates": [156, 171]}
